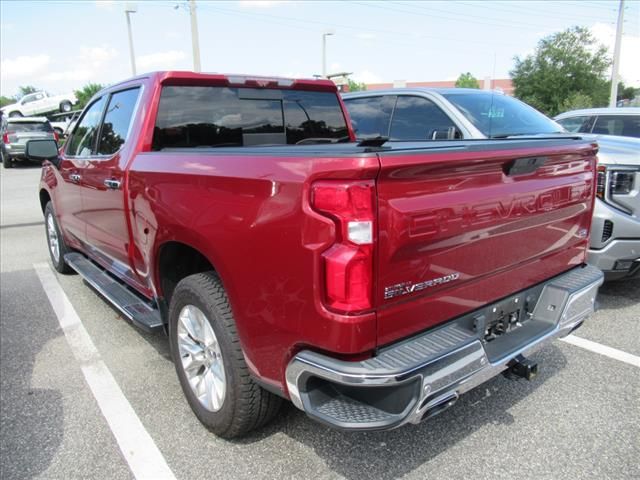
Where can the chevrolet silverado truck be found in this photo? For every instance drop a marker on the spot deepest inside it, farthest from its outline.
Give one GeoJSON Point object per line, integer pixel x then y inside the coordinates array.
{"type": "Point", "coordinates": [403, 114]}
{"type": "Point", "coordinates": [370, 285]}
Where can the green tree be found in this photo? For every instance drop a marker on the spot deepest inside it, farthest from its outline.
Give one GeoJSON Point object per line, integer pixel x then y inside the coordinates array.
{"type": "Point", "coordinates": [85, 93]}
{"type": "Point", "coordinates": [626, 93]}
{"type": "Point", "coordinates": [563, 65]}
{"type": "Point", "coordinates": [355, 86]}
{"type": "Point", "coordinates": [576, 101]}
{"type": "Point", "coordinates": [26, 90]}
{"type": "Point", "coordinates": [466, 80]}
{"type": "Point", "coordinates": [6, 101]}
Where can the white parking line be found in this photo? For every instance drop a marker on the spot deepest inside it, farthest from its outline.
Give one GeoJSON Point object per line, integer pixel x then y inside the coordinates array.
{"type": "Point", "coordinates": [603, 350]}
{"type": "Point", "coordinates": [137, 446]}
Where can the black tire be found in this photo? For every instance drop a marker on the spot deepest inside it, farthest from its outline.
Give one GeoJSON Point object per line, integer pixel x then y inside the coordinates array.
{"type": "Point", "coordinates": [65, 106]}
{"type": "Point", "coordinates": [6, 161]}
{"type": "Point", "coordinates": [246, 406]}
{"type": "Point", "coordinates": [15, 115]}
{"type": "Point", "coordinates": [59, 264]}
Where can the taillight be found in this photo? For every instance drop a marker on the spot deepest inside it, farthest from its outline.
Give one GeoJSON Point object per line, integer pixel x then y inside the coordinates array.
{"type": "Point", "coordinates": [55, 135]}
{"type": "Point", "coordinates": [348, 263]}
{"type": "Point", "coordinates": [601, 181]}
{"type": "Point", "coordinates": [5, 137]}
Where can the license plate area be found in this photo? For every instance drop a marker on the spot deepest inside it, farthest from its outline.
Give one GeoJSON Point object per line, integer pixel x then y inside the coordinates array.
{"type": "Point", "coordinates": [506, 324]}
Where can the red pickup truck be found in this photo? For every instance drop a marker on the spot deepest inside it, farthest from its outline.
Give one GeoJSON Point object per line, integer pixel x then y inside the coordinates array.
{"type": "Point", "coordinates": [370, 285]}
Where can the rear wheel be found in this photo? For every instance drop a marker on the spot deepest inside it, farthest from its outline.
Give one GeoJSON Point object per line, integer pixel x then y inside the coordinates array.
{"type": "Point", "coordinates": [65, 106]}
{"type": "Point", "coordinates": [209, 360]}
{"type": "Point", "coordinates": [57, 247]}
{"type": "Point", "coordinates": [15, 114]}
{"type": "Point", "coordinates": [6, 160]}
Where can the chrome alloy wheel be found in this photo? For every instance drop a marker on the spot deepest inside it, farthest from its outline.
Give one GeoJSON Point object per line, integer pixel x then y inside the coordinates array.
{"type": "Point", "coordinates": [52, 233]}
{"type": "Point", "coordinates": [201, 358]}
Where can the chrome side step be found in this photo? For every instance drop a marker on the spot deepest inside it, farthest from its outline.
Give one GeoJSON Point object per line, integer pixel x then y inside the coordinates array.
{"type": "Point", "coordinates": [131, 306]}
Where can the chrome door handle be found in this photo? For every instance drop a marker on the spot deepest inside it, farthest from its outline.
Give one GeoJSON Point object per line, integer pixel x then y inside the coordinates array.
{"type": "Point", "coordinates": [75, 177]}
{"type": "Point", "coordinates": [112, 184]}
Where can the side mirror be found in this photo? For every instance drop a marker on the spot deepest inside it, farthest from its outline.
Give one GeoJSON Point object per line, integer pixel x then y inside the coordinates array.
{"type": "Point", "coordinates": [41, 150]}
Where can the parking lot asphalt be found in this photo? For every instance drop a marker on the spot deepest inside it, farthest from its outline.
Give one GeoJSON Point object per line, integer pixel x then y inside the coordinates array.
{"type": "Point", "coordinates": [580, 418]}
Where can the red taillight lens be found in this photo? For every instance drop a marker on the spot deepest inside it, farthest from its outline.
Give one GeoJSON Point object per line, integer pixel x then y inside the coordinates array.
{"type": "Point", "coordinates": [348, 264]}
{"type": "Point", "coordinates": [5, 137]}
{"type": "Point", "coordinates": [601, 181]}
{"type": "Point", "coordinates": [55, 135]}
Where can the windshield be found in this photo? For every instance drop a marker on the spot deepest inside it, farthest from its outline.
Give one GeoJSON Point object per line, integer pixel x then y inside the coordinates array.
{"type": "Point", "coordinates": [497, 115]}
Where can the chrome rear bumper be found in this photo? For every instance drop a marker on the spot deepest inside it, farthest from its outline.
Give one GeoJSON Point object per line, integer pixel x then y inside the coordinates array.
{"type": "Point", "coordinates": [417, 378]}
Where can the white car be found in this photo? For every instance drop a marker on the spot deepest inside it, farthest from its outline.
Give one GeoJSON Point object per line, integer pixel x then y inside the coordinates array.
{"type": "Point", "coordinates": [623, 122]}
{"type": "Point", "coordinates": [38, 103]}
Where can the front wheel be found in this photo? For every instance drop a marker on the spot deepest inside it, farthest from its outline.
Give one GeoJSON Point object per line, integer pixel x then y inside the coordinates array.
{"type": "Point", "coordinates": [57, 246]}
{"type": "Point", "coordinates": [209, 360]}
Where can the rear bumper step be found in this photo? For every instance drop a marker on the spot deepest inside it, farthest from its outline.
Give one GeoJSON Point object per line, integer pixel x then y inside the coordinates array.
{"type": "Point", "coordinates": [130, 305]}
{"type": "Point", "coordinates": [418, 378]}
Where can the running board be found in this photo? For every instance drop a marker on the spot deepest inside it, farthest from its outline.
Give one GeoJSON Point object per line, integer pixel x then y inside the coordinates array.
{"type": "Point", "coordinates": [133, 307]}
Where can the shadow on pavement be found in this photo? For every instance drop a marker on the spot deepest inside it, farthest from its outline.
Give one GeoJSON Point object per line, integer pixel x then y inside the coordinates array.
{"type": "Point", "coordinates": [31, 419]}
{"type": "Point", "coordinates": [619, 294]}
{"type": "Point", "coordinates": [376, 454]}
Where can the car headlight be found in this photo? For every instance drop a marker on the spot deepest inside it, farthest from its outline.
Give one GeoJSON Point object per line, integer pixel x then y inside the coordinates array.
{"type": "Point", "coordinates": [621, 183]}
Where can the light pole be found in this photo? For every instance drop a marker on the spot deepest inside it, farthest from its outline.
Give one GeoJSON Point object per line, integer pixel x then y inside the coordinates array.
{"type": "Point", "coordinates": [616, 57]}
{"type": "Point", "coordinates": [326, 34]}
{"type": "Point", "coordinates": [195, 42]}
{"type": "Point", "coordinates": [131, 8]}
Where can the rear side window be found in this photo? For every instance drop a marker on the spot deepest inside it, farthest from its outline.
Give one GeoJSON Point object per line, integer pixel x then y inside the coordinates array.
{"type": "Point", "coordinates": [370, 116]}
{"type": "Point", "coordinates": [576, 124]}
{"type": "Point", "coordinates": [624, 125]}
{"type": "Point", "coordinates": [190, 117]}
{"type": "Point", "coordinates": [117, 119]}
{"type": "Point", "coordinates": [84, 136]}
{"type": "Point", "coordinates": [417, 118]}
{"type": "Point", "coordinates": [29, 127]}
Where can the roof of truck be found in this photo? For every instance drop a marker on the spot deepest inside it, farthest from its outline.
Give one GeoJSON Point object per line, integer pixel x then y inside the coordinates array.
{"type": "Point", "coordinates": [232, 79]}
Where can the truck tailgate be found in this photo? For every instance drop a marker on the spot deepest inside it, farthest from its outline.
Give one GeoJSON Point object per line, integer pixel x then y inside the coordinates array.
{"type": "Point", "coordinates": [467, 224]}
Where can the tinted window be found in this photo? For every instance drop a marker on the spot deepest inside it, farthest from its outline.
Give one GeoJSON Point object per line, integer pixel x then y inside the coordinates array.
{"type": "Point", "coordinates": [84, 136]}
{"type": "Point", "coordinates": [222, 117]}
{"type": "Point", "coordinates": [625, 125]}
{"type": "Point", "coordinates": [497, 115]}
{"type": "Point", "coordinates": [417, 118]}
{"type": "Point", "coordinates": [370, 116]}
{"type": "Point", "coordinates": [117, 120]}
{"type": "Point", "coordinates": [29, 127]}
{"type": "Point", "coordinates": [575, 124]}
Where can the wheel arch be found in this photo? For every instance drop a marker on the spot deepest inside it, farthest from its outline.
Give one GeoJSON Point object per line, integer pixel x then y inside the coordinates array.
{"type": "Point", "coordinates": [45, 198]}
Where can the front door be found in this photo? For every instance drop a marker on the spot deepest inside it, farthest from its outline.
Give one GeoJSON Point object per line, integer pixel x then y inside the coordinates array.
{"type": "Point", "coordinates": [103, 180]}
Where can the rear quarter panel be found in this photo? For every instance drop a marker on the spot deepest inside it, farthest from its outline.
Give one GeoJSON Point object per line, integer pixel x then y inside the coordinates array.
{"type": "Point", "coordinates": [249, 216]}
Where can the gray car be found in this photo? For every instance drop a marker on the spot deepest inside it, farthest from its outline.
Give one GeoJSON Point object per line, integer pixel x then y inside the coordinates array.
{"type": "Point", "coordinates": [409, 114]}
{"type": "Point", "coordinates": [17, 132]}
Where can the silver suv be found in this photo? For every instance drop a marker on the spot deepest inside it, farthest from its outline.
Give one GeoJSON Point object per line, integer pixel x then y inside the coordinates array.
{"type": "Point", "coordinates": [17, 132]}
{"type": "Point", "coordinates": [615, 231]}
{"type": "Point", "coordinates": [453, 113]}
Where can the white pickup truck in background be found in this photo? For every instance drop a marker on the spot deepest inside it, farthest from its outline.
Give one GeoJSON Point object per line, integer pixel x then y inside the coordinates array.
{"type": "Point", "coordinates": [38, 103]}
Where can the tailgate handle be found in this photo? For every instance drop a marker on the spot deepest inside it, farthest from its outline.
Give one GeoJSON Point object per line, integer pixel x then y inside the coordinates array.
{"type": "Point", "coordinates": [523, 166]}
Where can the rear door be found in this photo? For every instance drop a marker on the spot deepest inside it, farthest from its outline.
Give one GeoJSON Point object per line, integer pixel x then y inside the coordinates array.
{"type": "Point", "coordinates": [459, 227]}
{"type": "Point", "coordinates": [78, 149]}
{"type": "Point", "coordinates": [103, 182]}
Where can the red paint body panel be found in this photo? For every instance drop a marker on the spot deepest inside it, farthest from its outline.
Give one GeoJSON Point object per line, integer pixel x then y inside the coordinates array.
{"type": "Point", "coordinates": [460, 214]}
{"type": "Point", "coordinates": [249, 214]}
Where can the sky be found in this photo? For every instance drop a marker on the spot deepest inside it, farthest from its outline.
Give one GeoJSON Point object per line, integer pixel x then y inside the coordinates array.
{"type": "Point", "coordinates": [60, 45]}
